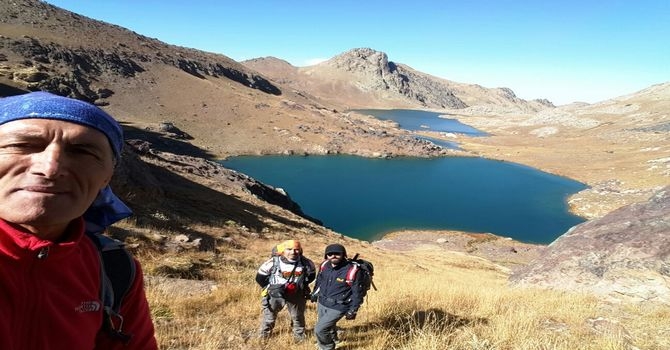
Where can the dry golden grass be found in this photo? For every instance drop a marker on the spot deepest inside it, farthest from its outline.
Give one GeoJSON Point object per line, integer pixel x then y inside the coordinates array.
{"type": "Point", "coordinates": [425, 300]}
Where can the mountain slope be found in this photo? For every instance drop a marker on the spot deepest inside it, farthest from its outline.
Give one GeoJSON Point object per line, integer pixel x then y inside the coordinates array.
{"type": "Point", "coordinates": [619, 147]}
{"type": "Point", "coordinates": [227, 108]}
{"type": "Point", "coordinates": [365, 78]}
{"type": "Point", "coordinates": [48, 36]}
{"type": "Point", "coordinates": [623, 255]}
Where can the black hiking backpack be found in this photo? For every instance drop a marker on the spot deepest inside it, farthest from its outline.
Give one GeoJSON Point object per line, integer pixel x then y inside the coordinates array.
{"type": "Point", "coordinates": [364, 267]}
{"type": "Point", "coordinates": [367, 271]}
{"type": "Point", "coordinates": [117, 273]}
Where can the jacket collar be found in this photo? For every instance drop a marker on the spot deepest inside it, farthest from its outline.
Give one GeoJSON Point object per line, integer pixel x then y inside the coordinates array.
{"type": "Point", "coordinates": [17, 243]}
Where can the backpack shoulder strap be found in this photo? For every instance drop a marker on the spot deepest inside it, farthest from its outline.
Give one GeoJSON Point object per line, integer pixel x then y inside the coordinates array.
{"type": "Point", "coordinates": [351, 273]}
{"type": "Point", "coordinates": [323, 265]}
{"type": "Point", "coordinates": [276, 262]}
{"type": "Point", "coordinates": [117, 273]}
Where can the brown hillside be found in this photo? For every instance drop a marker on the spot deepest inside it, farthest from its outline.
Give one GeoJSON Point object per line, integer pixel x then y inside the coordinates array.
{"type": "Point", "coordinates": [619, 147]}
{"type": "Point", "coordinates": [227, 108]}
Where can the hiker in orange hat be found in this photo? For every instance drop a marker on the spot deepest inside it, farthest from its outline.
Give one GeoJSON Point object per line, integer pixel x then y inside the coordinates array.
{"type": "Point", "coordinates": [285, 279]}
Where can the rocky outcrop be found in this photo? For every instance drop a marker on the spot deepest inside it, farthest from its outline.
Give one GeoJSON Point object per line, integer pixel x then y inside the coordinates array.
{"type": "Point", "coordinates": [623, 255]}
{"type": "Point", "coordinates": [71, 62]}
{"type": "Point", "coordinates": [375, 72]}
{"type": "Point", "coordinates": [41, 68]}
{"type": "Point", "coordinates": [202, 69]}
{"type": "Point", "coordinates": [136, 180]}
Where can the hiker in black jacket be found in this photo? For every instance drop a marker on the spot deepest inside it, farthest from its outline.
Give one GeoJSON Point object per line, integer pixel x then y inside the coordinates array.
{"type": "Point", "coordinates": [339, 295]}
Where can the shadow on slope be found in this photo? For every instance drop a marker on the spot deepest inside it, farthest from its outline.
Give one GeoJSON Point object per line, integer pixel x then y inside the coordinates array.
{"type": "Point", "coordinates": [165, 192]}
{"type": "Point", "coordinates": [164, 142]}
{"type": "Point", "coordinates": [408, 324]}
{"type": "Point", "coordinates": [189, 202]}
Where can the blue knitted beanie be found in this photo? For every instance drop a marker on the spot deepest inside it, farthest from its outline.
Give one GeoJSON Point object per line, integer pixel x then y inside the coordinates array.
{"type": "Point", "coordinates": [44, 105]}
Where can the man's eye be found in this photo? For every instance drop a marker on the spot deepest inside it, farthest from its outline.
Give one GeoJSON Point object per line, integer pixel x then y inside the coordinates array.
{"type": "Point", "coordinates": [22, 146]}
{"type": "Point", "coordinates": [85, 151]}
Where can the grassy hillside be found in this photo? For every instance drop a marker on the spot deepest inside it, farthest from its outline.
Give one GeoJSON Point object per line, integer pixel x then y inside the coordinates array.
{"type": "Point", "coordinates": [426, 299]}
{"type": "Point", "coordinates": [200, 248]}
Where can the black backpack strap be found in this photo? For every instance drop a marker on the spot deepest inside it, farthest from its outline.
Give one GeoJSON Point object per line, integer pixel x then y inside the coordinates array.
{"type": "Point", "coordinates": [117, 273]}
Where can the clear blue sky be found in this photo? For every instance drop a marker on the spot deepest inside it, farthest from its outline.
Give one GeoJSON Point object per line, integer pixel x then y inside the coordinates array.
{"type": "Point", "coordinates": [565, 51]}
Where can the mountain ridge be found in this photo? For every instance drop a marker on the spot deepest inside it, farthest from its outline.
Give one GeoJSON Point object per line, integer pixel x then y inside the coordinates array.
{"type": "Point", "coordinates": [371, 79]}
{"type": "Point", "coordinates": [218, 98]}
{"type": "Point", "coordinates": [122, 52]}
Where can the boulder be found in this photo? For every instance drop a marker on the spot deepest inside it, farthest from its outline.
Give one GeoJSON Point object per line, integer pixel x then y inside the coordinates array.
{"type": "Point", "coordinates": [624, 255]}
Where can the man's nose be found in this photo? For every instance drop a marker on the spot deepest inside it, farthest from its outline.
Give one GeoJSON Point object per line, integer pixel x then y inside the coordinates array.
{"type": "Point", "coordinates": [49, 162]}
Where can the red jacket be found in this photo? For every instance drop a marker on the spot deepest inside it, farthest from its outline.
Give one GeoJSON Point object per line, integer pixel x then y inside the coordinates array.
{"type": "Point", "coordinates": [50, 295]}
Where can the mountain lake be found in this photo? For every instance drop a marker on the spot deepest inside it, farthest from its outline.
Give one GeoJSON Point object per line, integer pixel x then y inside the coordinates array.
{"type": "Point", "coordinates": [365, 198]}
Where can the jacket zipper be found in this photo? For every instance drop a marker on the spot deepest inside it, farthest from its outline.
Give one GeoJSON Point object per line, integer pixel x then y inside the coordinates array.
{"type": "Point", "coordinates": [36, 274]}
{"type": "Point", "coordinates": [43, 254]}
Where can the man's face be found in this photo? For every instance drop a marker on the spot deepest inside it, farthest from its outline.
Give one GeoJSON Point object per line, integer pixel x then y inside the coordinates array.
{"type": "Point", "coordinates": [50, 172]}
{"type": "Point", "coordinates": [292, 253]}
{"type": "Point", "coordinates": [334, 258]}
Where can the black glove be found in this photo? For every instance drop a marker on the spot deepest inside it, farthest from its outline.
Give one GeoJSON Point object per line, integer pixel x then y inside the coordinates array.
{"type": "Point", "coordinates": [350, 315]}
{"type": "Point", "coordinates": [313, 297]}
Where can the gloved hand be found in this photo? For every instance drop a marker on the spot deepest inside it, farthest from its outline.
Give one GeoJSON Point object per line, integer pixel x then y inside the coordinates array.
{"type": "Point", "coordinates": [350, 315]}
{"type": "Point", "coordinates": [313, 297]}
{"type": "Point", "coordinates": [307, 293]}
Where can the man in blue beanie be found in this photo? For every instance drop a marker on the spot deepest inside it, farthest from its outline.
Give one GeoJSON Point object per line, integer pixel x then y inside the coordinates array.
{"type": "Point", "coordinates": [57, 157]}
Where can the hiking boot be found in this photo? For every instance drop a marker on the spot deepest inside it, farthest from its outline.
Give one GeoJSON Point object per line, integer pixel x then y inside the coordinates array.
{"type": "Point", "coordinates": [297, 339]}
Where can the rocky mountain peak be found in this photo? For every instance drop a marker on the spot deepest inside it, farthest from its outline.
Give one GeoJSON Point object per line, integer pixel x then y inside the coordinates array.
{"type": "Point", "coordinates": [361, 60]}
{"type": "Point", "coordinates": [371, 72]}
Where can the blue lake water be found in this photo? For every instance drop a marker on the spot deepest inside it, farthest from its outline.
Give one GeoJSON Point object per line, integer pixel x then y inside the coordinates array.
{"type": "Point", "coordinates": [365, 198]}
{"type": "Point", "coordinates": [414, 120]}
